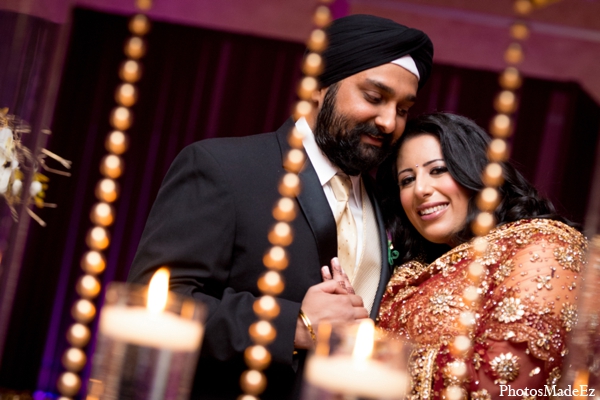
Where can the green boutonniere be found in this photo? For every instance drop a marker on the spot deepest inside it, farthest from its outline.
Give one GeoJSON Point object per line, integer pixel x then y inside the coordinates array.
{"type": "Point", "coordinates": [392, 254]}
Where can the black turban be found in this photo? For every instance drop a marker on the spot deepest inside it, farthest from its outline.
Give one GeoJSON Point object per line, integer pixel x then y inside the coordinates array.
{"type": "Point", "coordinates": [359, 42]}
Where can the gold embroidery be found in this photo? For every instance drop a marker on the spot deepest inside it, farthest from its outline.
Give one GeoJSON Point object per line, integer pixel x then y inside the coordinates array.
{"type": "Point", "coordinates": [568, 316]}
{"type": "Point", "coordinates": [553, 377]}
{"type": "Point", "coordinates": [509, 310]}
{"type": "Point", "coordinates": [544, 282]}
{"type": "Point", "coordinates": [506, 367]}
{"type": "Point", "coordinates": [481, 394]}
{"type": "Point", "coordinates": [422, 362]}
{"type": "Point", "coordinates": [422, 301]}
{"type": "Point", "coordinates": [441, 302]}
{"type": "Point", "coordinates": [504, 271]}
{"type": "Point", "coordinates": [569, 258]}
{"type": "Point", "coordinates": [477, 360]}
{"type": "Point", "coordinates": [544, 340]}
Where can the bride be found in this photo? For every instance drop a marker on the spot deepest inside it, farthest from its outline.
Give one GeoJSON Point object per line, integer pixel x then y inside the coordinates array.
{"type": "Point", "coordinates": [527, 299]}
{"type": "Point", "coordinates": [534, 260]}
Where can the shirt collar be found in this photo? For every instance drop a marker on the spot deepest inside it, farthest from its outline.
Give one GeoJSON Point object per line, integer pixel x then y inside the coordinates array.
{"type": "Point", "coordinates": [323, 167]}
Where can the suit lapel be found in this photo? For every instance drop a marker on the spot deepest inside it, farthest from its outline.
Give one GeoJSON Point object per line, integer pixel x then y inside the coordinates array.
{"type": "Point", "coordinates": [317, 212]}
{"type": "Point", "coordinates": [385, 265]}
{"type": "Point", "coordinates": [313, 202]}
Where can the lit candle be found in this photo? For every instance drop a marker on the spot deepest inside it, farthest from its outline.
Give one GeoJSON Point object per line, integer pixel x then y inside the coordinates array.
{"type": "Point", "coordinates": [148, 342]}
{"type": "Point", "coordinates": [151, 326]}
{"type": "Point", "coordinates": [357, 374]}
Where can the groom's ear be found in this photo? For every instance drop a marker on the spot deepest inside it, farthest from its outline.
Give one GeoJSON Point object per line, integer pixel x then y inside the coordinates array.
{"type": "Point", "coordinates": [318, 96]}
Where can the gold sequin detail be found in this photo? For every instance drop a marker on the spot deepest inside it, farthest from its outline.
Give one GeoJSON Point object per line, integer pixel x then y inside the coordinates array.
{"type": "Point", "coordinates": [441, 302]}
{"type": "Point", "coordinates": [509, 310]}
{"type": "Point", "coordinates": [481, 394]}
{"type": "Point", "coordinates": [535, 371]}
{"type": "Point", "coordinates": [422, 363]}
{"type": "Point", "coordinates": [506, 367]}
{"type": "Point", "coordinates": [544, 340]}
{"type": "Point", "coordinates": [569, 258]}
{"type": "Point", "coordinates": [477, 360]}
{"type": "Point", "coordinates": [544, 282]}
{"type": "Point", "coordinates": [553, 377]}
{"type": "Point", "coordinates": [504, 271]}
{"type": "Point", "coordinates": [568, 316]}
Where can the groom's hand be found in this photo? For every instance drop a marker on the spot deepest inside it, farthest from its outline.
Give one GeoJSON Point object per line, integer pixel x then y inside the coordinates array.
{"type": "Point", "coordinates": [322, 302]}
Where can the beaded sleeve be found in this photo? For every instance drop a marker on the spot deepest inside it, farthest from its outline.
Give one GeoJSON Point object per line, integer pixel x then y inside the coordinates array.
{"type": "Point", "coordinates": [527, 307]}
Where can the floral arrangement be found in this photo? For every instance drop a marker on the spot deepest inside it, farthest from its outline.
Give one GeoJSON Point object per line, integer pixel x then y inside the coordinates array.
{"type": "Point", "coordinates": [14, 157]}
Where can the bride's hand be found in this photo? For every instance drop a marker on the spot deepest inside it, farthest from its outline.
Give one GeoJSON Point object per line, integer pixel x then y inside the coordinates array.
{"type": "Point", "coordinates": [339, 275]}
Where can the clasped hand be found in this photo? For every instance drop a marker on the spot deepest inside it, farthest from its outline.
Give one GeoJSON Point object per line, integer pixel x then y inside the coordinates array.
{"type": "Point", "coordinates": [323, 302]}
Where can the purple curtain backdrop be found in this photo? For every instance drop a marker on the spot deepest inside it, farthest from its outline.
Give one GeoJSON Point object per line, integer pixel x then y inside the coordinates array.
{"type": "Point", "coordinates": [198, 84]}
{"type": "Point", "coordinates": [31, 54]}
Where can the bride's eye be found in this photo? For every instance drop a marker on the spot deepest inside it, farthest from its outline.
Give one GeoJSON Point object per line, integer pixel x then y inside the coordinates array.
{"type": "Point", "coordinates": [438, 170]}
{"type": "Point", "coordinates": [406, 181]}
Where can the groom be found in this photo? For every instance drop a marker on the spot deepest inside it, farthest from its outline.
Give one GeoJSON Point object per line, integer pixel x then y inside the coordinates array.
{"type": "Point", "coordinates": [210, 221]}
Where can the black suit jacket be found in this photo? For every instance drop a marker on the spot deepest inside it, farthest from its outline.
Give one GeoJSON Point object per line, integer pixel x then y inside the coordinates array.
{"type": "Point", "coordinates": [209, 224]}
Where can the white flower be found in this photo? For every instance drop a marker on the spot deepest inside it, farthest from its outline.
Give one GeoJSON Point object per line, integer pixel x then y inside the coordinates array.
{"type": "Point", "coordinates": [8, 159]}
{"type": "Point", "coordinates": [6, 139]}
{"type": "Point", "coordinates": [4, 179]}
{"type": "Point", "coordinates": [7, 145]}
{"type": "Point", "coordinates": [35, 188]}
{"type": "Point", "coordinates": [16, 187]}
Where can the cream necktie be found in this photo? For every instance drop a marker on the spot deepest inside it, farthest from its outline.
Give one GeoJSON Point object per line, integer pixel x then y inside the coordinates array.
{"type": "Point", "coordinates": [346, 226]}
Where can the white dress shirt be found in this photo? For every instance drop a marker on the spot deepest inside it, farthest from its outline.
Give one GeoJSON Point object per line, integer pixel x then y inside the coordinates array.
{"type": "Point", "coordinates": [325, 171]}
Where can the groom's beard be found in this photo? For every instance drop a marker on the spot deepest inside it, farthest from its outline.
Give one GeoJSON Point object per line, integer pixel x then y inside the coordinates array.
{"type": "Point", "coordinates": [340, 139]}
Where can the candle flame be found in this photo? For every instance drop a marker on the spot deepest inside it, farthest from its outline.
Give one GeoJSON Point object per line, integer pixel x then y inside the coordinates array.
{"type": "Point", "coordinates": [363, 348]}
{"type": "Point", "coordinates": [158, 291]}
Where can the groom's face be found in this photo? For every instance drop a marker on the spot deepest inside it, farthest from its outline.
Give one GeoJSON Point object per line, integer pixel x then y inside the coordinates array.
{"type": "Point", "coordinates": [362, 116]}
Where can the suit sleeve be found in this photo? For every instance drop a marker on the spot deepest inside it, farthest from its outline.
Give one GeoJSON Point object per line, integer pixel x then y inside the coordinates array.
{"type": "Point", "coordinates": [191, 229]}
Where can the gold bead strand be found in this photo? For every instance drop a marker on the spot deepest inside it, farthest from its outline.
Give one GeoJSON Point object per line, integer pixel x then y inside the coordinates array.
{"type": "Point", "coordinates": [501, 128]}
{"type": "Point", "coordinates": [102, 214]}
{"type": "Point", "coordinates": [253, 382]}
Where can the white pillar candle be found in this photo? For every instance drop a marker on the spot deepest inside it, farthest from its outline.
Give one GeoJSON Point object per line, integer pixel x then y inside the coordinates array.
{"type": "Point", "coordinates": [151, 326]}
{"type": "Point", "coordinates": [363, 378]}
{"type": "Point", "coordinates": [139, 326]}
{"type": "Point", "coordinates": [148, 342]}
{"type": "Point", "coordinates": [356, 374]}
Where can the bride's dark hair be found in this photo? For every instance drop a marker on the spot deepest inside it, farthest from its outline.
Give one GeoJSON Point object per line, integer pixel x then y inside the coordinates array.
{"type": "Point", "coordinates": [464, 148]}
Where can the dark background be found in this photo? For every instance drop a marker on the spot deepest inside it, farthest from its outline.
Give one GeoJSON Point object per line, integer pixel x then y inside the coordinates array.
{"type": "Point", "coordinates": [199, 83]}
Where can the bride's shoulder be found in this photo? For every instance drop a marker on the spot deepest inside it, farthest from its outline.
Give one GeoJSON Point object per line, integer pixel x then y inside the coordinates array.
{"type": "Point", "coordinates": [525, 230]}
{"type": "Point", "coordinates": [408, 271]}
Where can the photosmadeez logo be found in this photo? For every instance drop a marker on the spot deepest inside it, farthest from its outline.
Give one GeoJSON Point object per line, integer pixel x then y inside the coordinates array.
{"type": "Point", "coordinates": [547, 391]}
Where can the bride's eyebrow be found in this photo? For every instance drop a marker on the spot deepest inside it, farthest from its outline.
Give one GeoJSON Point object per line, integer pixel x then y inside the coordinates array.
{"type": "Point", "coordinates": [424, 165]}
{"type": "Point", "coordinates": [432, 161]}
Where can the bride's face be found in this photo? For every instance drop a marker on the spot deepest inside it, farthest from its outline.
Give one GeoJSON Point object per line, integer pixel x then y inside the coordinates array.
{"type": "Point", "coordinates": [434, 202]}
